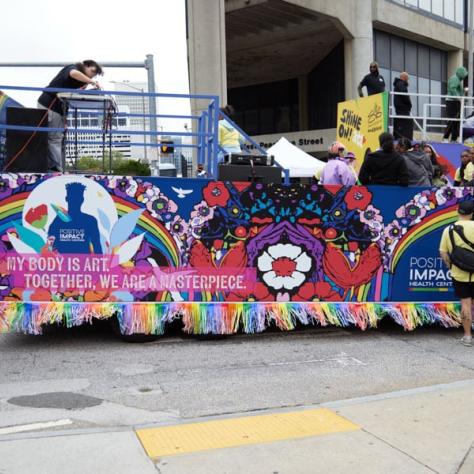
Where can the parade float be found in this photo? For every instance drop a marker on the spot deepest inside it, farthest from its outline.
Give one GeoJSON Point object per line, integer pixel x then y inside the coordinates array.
{"type": "Point", "coordinates": [221, 257]}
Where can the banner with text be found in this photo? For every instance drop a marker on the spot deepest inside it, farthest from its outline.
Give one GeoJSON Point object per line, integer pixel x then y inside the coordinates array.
{"type": "Point", "coordinates": [125, 239]}
{"type": "Point", "coordinates": [360, 122]}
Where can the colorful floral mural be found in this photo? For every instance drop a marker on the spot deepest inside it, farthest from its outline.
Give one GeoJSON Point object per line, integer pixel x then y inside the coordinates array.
{"type": "Point", "coordinates": [294, 244]}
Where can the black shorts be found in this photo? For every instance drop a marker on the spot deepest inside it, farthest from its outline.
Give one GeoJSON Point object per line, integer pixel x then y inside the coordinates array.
{"type": "Point", "coordinates": [463, 289]}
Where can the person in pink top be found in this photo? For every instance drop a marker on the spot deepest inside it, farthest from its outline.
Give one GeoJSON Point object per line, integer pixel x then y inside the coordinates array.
{"type": "Point", "coordinates": [337, 171]}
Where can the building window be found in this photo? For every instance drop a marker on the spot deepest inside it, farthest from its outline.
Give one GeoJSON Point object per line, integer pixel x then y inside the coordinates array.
{"type": "Point", "coordinates": [266, 108]}
{"type": "Point", "coordinates": [450, 10]}
{"type": "Point", "coordinates": [426, 66]}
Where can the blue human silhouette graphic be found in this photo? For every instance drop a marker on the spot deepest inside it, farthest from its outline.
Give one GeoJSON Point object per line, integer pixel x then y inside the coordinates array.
{"type": "Point", "coordinates": [75, 232]}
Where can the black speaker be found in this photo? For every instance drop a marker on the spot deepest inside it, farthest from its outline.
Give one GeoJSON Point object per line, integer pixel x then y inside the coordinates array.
{"type": "Point", "coordinates": [26, 151]}
{"type": "Point", "coordinates": [258, 174]}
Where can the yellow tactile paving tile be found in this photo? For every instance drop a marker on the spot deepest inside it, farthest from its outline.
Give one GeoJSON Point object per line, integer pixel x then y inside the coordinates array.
{"type": "Point", "coordinates": [179, 439]}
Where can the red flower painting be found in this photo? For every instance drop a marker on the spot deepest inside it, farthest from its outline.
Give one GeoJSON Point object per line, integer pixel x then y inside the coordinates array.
{"type": "Point", "coordinates": [37, 216]}
{"type": "Point", "coordinates": [358, 197]}
{"type": "Point", "coordinates": [216, 194]}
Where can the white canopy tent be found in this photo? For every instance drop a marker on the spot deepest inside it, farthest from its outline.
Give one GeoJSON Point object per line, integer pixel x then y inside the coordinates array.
{"type": "Point", "coordinates": [289, 156]}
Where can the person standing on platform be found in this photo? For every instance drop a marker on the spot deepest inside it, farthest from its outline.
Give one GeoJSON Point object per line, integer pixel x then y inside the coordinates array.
{"type": "Point", "coordinates": [336, 170]}
{"type": "Point", "coordinates": [74, 76]}
{"type": "Point", "coordinates": [385, 165]}
{"type": "Point", "coordinates": [374, 81]}
{"type": "Point", "coordinates": [453, 105]}
{"type": "Point", "coordinates": [229, 138]}
{"type": "Point", "coordinates": [420, 169]}
{"type": "Point", "coordinates": [463, 281]}
{"type": "Point", "coordinates": [402, 128]}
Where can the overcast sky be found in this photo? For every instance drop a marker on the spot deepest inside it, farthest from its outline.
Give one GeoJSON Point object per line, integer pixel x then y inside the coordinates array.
{"type": "Point", "coordinates": [106, 30]}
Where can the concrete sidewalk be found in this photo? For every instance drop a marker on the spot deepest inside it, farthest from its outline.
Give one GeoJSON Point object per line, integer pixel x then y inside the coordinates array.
{"type": "Point", "coordinates": [422, 430]}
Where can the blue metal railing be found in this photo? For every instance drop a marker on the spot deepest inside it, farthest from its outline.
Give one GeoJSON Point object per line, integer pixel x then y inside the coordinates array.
{"type": "Point", "coordinates": [248, 139]}
{"type": "Point", "coordinates": [204, 138]}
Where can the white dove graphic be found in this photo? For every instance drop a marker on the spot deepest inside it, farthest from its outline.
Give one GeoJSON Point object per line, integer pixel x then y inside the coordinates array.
{"type": "Point", "coordinates": [181, 192]}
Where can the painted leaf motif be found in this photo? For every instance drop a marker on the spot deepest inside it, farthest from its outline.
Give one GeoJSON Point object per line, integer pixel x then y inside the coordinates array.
{"type": "Point", "coordinates": [61, 213]}
{"type": "Point", "coordinates": [104, 220]}
{"type": "Point", "coordinates": [29, 237]}
{"type": "Point", "coordinates": [124, 227]}
{"type": "Point", "coordinates": [20, 246]}
{"type": "Point", "coordinates": [128, 249]}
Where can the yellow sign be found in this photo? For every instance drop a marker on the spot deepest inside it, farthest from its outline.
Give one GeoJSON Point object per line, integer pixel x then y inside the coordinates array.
{"type": "Point", "coordinates": [360, 122]}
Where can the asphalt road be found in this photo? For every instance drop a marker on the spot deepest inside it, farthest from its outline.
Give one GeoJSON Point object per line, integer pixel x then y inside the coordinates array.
{"type": "Point", "coordinates": [94, 380]}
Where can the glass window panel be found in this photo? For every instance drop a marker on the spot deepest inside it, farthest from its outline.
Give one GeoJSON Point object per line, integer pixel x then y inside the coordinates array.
{"type": "Point", "coordinates": [251, 122]}
{"type": "Point", "coordinates": [435, 111]}
{"type": "Point", "coordinates": [397, 52]}
{"type": "Point", "coordinates": [435, 64]}
{"type": "Point", "coordinates": [449, 10]}
{"type": "Point", "coordinates": [425, 5]}
{"type": "Point", "coordinates": [239, 119]}
{"type": "Point", "coordinates": [410, 57]}
{"type": "Point", "coordinates": [295, 120]}
{"type": "Point", "coordinates": [459, 11]}
{"type": "Point", "coordinates": [382, 49]}
{"type": "Point", "coordinates": [423, 88]}
{"type": "Point", "coordinates": [423, 61]}
{"type": "Point", "coordinates": [282, 119]}
{"type": "Point", "coordinates": [266, 120]}
{"type": "Point", "coordinates": [385, 73]}
{"type": "Point", "coordinates": [413, 87]}
{"type": "Point", "coordinates": [444, 65]}
{"type": "Point", "coordinates": [393, 75]}
{"type": "Point", "coordinates": [437, 7]}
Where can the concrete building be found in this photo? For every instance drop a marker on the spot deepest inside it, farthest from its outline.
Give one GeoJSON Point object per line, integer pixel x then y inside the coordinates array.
{"type": "Point", "coordinates": [91, 144]}
{"type": "Point", "coordinates": [284, 65]}
{"type": "Point", "coordinates": [138, 106]}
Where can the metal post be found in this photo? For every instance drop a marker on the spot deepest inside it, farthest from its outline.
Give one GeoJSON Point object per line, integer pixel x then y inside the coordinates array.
{"type": "Point", "coordinates": [144, 128]}
{"type": "Point", "coordinates": [470, 52]}
{"type": "Point", "coordinates": [215, 134]}
{"type": "Point", "coordinates": [425, 107]}
{"type": "Point", "coordinates": [103, 138]}
{"type": "Point", "coordinates": [470, 78]}
{"type": "Point", "coordinates": [76, 151]}
{"type": "Point", "coordinates": [212, 166]}
{"type": "Point", "coordinates": [152, 106]}
{"type": "Point", "coordinates": [200, 140]}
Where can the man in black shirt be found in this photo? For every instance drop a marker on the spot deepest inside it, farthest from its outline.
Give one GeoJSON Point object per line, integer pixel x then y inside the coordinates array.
{"type": "Point", "coordinates": [374, 82]}
{"type": "Point", "coordinates": [402, 128]}
{"type": "Point", "coordinates": [73, 76]}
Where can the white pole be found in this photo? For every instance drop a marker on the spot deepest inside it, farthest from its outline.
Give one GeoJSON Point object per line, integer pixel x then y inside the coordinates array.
{"type": "Point", "coordinates": [470, 52]}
